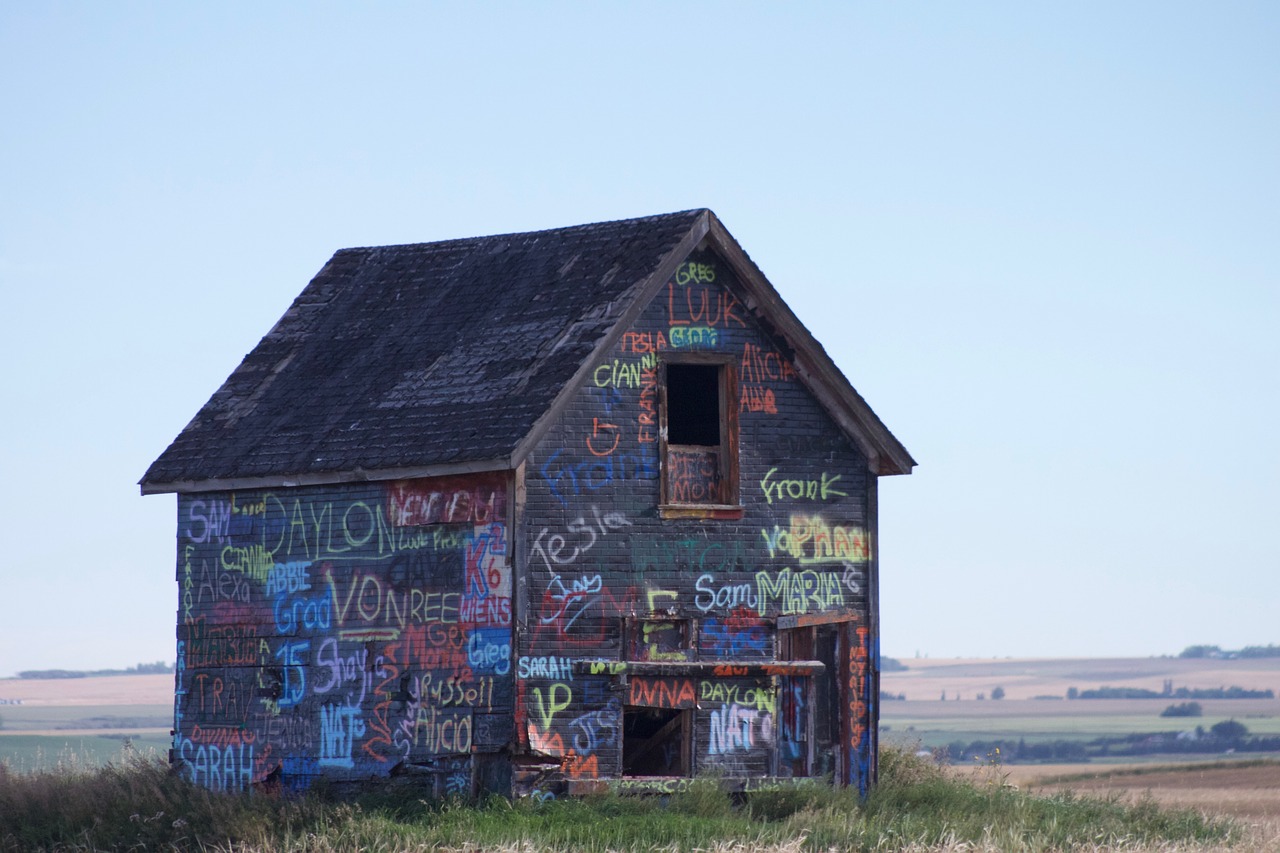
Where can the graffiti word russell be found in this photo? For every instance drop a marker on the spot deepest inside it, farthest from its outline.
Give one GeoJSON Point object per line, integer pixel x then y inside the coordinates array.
{"type": "Point", "coordinates": [786, 592]}
{"type": "Point", "coordinates": [822, 489]}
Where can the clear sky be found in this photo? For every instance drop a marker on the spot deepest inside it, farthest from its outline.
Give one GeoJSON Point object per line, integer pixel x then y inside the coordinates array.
{"type": "Point", "coordinates": [1043, 240]}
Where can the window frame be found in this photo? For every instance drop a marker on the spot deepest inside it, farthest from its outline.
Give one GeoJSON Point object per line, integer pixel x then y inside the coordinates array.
{"type": "Point", "coordinates": [730, 505]}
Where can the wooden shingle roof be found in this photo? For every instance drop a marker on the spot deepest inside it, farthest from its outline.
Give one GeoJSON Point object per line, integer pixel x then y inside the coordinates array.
{"type": "Point", "coordinates": [434, 358]}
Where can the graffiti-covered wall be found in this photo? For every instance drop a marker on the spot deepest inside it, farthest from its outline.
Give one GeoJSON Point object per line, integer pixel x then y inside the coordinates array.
{"type": "Point", "coordinates": [693, 620]}
{"type": "Point", "coordinates": [352, 631]}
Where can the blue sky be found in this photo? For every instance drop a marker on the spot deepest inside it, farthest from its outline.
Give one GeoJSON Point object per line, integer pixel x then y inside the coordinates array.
{"type": "Point", "coordinates": [1040, 239]}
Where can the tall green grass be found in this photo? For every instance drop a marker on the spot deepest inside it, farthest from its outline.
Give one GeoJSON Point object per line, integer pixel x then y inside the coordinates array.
{"type": "Point", "coordinates": [140, 805]}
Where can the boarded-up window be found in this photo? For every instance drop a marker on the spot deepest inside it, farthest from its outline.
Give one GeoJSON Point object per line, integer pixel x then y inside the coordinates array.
{"type": "Point", "coordinates": [699, 413]}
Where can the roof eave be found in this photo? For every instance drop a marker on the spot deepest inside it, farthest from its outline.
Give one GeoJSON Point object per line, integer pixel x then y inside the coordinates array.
{"type": "Point", "coordinates": [325, 478]}
{"type": "Point", "coordinates": [886, 456]}
{"type": "Point", "coordinates": [640, 297]}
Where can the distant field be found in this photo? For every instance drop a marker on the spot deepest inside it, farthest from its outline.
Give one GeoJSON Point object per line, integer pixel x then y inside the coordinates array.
{"type": "Point", "coordinates": [1025, 678]}
{"type": "Point", "coordinates": [84, 720]}
{"type": "Point", "coordinates": [926, 719]}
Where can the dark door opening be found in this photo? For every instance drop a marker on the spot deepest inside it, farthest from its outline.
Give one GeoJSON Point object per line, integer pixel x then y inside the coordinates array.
{"type": "Point", "coordinates": [655, 741]}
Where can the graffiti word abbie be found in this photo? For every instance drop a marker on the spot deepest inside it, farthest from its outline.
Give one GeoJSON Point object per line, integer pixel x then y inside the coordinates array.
{"type": "Point", "coordinates": [821, 489]}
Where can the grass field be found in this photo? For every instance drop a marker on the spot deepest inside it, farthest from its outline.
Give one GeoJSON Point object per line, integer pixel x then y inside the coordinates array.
{"type": "Point", "coordinates": [88, 720]}
{"type": "Point", "coordinates": [83, 721]}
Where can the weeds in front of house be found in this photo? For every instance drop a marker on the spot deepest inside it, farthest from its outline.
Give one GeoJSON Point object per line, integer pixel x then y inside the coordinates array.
{"type": "Point", "coordinates": [140, 804]}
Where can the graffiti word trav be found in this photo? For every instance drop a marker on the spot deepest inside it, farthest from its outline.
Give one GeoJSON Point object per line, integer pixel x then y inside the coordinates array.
{"type": "Point", "coordinates": [451, 501]}
{"type": "Point", "coordinates": [760, 698]}
{"type": "Point", "coordinates": [623, 374]}
{"type": "Point", "coordinates": [804, 591]}
{"type": "Point", "coordinates": [229, 769]}
{"type": "Point", "coordinates": [822, 489]}
{"type": "Point", "coordinates": [701, 306]}
{"type": "Point", "coordinates": [694, 273]}
{"type": "Point", "coordinates": [694, 336]}
{"type": "Point", "coordinates": [809, 539]}
{"type": "Point", "coordinates": [760, 365]}
{"type": "Point", "coordinates": [553, 551]}
{"type": "Point", "coordinates": [555, 668]}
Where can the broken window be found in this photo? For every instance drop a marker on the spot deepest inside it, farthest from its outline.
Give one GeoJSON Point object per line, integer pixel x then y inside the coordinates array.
{"type": "Point", "coordinates": [658, 640]}
{"type": "Point", "coordinates": [700, 434]}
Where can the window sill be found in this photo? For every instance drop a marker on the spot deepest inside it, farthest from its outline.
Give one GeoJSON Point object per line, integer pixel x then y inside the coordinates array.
{"type": "Point", "coordinates": [724, 511]}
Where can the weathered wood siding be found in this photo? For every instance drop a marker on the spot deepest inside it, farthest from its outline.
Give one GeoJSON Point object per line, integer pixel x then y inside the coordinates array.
{"type": "Point", "coordinates": [350, 631]}
{"type": "Point", "coordinates": [601, 560]}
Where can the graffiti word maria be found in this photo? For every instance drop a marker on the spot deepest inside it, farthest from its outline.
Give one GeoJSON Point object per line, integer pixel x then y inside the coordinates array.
{"type": "Point", "coordinates": [822, 489]}
{"type": "Point", "coordinates": [787, 592]}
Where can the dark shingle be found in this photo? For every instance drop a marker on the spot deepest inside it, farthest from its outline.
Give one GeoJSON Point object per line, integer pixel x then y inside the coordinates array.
{"type": "Point", "coordinates": [420, 355]}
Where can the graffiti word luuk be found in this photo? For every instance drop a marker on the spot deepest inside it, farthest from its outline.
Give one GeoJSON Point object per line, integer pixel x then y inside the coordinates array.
{"type": "Point", "coordinates": [822, 489]}
{"type": "Point", "coordinates": [809, 540]}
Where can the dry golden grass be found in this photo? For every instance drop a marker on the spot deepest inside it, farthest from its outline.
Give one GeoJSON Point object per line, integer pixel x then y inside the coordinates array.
{"type": "Point", "coordinates": [99, 690]}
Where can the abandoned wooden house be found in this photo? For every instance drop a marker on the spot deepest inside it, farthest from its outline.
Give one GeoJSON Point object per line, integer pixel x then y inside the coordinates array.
{"type": "Point", "coordinates": [531, 514]}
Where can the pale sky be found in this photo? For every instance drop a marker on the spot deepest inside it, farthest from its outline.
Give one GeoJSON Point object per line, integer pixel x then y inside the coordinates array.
{"type": "Point", "coordinates": [1042, 240]}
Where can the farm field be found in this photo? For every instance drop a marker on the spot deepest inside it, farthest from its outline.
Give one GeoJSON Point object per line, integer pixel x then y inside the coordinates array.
{"type": "Point", "coordinates": [83, 720]}
{"type": "Point", "coordinates": [926, 718]}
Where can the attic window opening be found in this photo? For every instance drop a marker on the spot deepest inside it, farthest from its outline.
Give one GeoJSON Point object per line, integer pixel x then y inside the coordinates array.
{"type": "Point", "coordinates": [693, 397]}
{"type": "Point", "coordinates": [699, 437]}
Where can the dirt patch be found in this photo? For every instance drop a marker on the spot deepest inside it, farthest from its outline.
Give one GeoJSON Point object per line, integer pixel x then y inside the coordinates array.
{"type": "Point", "coordinates": [1248, 792]}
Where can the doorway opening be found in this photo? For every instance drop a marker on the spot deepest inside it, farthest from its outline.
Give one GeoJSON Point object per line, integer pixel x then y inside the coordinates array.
{"type": "Point", "coordinates": [656, 741]}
